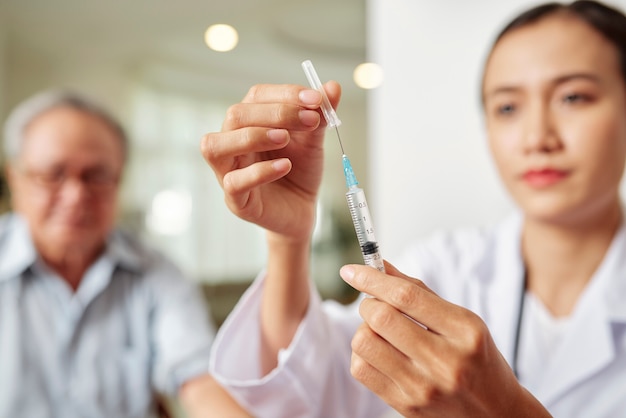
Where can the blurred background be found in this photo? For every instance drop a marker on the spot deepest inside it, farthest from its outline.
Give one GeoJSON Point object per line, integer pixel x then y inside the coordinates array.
{"type": "Point", "coordinates": [416, 142]}
{"type": "Point", "coordinates": [149, 63]}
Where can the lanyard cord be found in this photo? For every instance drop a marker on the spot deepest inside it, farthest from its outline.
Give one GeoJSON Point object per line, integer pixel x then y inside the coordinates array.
{"type": "Point", "coordinates": [518, 328]}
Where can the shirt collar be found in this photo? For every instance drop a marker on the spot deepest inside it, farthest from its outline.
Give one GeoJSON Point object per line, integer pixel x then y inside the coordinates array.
{"type": "Point", "coordinates": [18, 253]}
{"type": "Point", "coordinates": [124, 251]}
{"type": "Point", "coordinates": [611, 276]}
{"type": "Point", "coordinates": [608, 283]}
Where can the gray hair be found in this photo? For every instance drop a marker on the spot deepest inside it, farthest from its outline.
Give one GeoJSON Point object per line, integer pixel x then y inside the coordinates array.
{"type": "Point", "coordinates": [31, 108]}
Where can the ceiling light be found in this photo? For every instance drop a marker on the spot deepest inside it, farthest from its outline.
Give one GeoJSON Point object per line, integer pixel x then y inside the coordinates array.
{"type": "Point", "coordinates": [221, 37]}
{"type": "Point", "coordinates": [368, 75]}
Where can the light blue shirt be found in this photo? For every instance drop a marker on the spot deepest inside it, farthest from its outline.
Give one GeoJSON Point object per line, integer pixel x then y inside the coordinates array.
{"type": "Point", "coordinates": [133, 328]}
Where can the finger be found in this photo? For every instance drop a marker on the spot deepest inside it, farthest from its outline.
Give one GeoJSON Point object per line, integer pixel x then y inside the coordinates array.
{"type": "Point", "coordinates": [403, 399]}
{"type": "Point", "coordinates": [239, 185]}
{"type": "Point", "coordinates": [424, 348]}
{"type": "Point", "coordinates": [374, 380]}
{"type": "Point", "coordinates": [402, 382]}
{"type": "Point", "coordinates": [408, 401]}
{"type": "Point", "coordinates": [285, 106]}
{"type": "Point", "coordinates": [292, 93]}
{"type": "Point", "coordinates": [363, 277]}
{"type": "Point", "coordinates": [382, 355]}
{"type": "Point", "coordinates": [410, 296]}
{"type": "Point", "coordinates": [333, 91]}
{"type": "Point", "coordinates": [283, 93]}
{"type": "Point", "coordinates": [439, 358]}
{"type": "Point", "coordinates": [428, 365]}
{"type": "Point", "coordinates": [271, 115]}
{"type": "Point", "coordinates": [220, 149]}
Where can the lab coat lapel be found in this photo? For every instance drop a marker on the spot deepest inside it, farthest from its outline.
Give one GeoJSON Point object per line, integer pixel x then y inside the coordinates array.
{"type": "Point", "coordinates": [589, 344]}
{"type": "Point", "coordinates": [586, 350]}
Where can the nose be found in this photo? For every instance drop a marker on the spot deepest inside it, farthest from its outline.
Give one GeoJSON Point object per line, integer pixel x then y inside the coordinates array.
{"type": "Point", "coordinates": [540, 133]}
{"type": "Point", "coordinates": [74, 190]}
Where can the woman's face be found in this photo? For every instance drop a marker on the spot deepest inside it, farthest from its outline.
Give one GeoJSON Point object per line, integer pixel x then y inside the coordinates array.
{"type": "Point", "coordinates": [556, 119]}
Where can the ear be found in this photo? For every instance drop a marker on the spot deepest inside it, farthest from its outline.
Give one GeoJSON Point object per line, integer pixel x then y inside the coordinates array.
{"type": "Point", "coordinates": [9, 173]}
{"type": "Point", "coordinates": [9, 177]}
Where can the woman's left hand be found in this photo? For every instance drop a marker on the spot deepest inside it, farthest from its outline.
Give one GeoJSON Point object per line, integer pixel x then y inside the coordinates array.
{"type": "Point", "coordinates": [427, 357]}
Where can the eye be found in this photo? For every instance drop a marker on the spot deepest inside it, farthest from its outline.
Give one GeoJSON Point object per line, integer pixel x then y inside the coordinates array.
{"type": "Point", "coordinates": [505, 109]}
{"type": "Point", "coordinates": [48, 178]}
{"type": "Point", "coordinates": [573, 98]}
{"type": "Point", "coordinates": [99, 178]}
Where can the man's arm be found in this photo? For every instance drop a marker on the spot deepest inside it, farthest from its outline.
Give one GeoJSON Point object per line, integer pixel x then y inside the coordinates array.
{"type": "Point", "coordinates": [203, 397]}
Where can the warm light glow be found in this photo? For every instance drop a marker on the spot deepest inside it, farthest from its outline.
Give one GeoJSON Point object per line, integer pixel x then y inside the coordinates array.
{"type": "Point", "coordinates": [221, 37]}
{"type": "Point", "coordinates": [368, 75]}
{"type": "Point", "coordinates": [170, 212]}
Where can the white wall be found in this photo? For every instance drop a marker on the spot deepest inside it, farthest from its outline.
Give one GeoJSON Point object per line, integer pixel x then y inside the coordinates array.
{"type": "Point", "coordinates": [430, 167]}
{"type": "Point", "coordinates": [30, 70]}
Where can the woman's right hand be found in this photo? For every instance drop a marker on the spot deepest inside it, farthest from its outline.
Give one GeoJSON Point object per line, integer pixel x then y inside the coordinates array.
{"type": "Point", "coordinates": [268, 157]}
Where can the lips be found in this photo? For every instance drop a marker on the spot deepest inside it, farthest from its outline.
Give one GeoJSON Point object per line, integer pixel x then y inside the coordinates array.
{"type": "Point", "coordinates": [544, 178]}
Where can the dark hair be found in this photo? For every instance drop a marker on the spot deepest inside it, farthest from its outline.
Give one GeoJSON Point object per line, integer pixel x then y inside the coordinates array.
{"type": "Point", "coordinates": [608, 21]}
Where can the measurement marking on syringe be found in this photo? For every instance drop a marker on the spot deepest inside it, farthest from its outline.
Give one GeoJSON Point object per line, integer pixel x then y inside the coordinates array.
{"type": "Point", "coordinates": [357, 204]}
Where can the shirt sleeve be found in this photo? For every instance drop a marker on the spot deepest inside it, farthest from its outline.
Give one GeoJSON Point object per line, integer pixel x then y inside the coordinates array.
{"type": "Point", "coordinates": [312, 378]}
{"type": "Point", "coordinates": [182, 330]}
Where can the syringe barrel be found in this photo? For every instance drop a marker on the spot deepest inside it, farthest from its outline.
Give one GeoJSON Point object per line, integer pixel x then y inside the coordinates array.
{"type": "Point", "coordinates": [362, 221]}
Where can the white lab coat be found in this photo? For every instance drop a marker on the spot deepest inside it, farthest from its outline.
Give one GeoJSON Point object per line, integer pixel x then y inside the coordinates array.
{"type": "Point", "coordinates": [479, 269]}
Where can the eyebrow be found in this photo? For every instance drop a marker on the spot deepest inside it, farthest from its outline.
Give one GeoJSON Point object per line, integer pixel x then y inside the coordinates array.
{"type": "Point", "coordinates": [556, 81]}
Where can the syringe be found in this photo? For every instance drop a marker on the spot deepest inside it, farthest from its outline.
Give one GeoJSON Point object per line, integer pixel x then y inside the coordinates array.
{"type": "Point", "coordinates": [357, 204]}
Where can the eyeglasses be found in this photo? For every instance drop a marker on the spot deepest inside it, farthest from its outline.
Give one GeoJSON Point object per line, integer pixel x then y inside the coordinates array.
{"type": "Point", "coordinates": [96, 180]}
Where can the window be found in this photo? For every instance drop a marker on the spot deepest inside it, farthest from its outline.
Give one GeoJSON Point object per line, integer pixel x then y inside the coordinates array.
{"type": "Point", "coordinates": [171, 196]}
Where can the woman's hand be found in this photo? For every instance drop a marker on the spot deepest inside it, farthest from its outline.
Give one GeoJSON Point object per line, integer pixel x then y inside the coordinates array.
{"type": "Point", "coordinates": [268, 157]}
{"type": "Point", "coordinates": [427, 357]}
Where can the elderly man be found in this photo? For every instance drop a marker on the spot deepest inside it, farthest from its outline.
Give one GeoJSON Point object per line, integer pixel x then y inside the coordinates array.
{"type": "Point", "coordinates": [92, 323]}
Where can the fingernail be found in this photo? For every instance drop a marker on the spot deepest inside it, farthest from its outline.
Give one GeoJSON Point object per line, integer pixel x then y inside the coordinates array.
{"type": "Point", "coordinates": [310, 97]}
{"type": "Point", "coordinates": [281, 165]}
{"type": "Point", "coordinates": [347, 273]}
{"type": "Point", "coordinates": [309, 117]}
{"type": "Point", "coordinates": [277, 136]}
